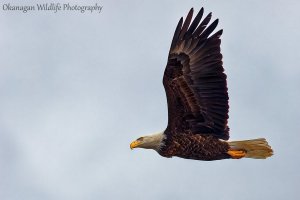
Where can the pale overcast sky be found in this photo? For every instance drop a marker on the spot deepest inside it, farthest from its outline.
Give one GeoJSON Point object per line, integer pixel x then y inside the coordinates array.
{"type": "Point", "coordinates": [76, 89]}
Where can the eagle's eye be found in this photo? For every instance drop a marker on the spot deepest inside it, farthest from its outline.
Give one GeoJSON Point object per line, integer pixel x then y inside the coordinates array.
{"type": "Point", "coordinates": [140, 139]}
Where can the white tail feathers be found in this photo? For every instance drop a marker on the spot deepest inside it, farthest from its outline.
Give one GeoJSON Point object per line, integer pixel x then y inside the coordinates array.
{"type": "Point", "coordinates": [257, 148]}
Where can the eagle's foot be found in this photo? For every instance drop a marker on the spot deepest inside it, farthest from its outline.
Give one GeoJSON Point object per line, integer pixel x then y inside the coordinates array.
{"type": "Point", "coordinates": [236, 154]}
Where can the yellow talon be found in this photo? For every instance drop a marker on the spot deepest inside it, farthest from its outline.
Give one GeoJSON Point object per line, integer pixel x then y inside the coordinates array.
{"type": "Point", "coordinates": [237, 154]}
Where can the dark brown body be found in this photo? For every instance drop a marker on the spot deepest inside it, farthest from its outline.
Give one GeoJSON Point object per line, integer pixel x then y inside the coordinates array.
{"type": "Point", "coordinates": [195, 146]}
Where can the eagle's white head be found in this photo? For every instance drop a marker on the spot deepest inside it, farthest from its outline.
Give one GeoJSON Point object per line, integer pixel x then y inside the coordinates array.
{"type": "Point", "coordinates": [154, 141]}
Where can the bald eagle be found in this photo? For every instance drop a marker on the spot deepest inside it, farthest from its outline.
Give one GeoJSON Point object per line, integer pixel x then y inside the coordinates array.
{"type": "Point", "coordinates": [196, 90]}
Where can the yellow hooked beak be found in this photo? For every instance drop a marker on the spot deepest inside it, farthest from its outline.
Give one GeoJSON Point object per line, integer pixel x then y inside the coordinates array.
{"type": "Point", "coordinates": [134, 144]}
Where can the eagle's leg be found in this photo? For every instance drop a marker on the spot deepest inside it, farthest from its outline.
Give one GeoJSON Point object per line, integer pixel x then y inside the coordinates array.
{"type": "Point", "coordinates": [236, 154]}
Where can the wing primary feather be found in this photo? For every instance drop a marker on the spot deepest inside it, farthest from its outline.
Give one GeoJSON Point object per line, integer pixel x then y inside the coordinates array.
{"type": "Point", "coordinates": [217, 34]}
{"type": "Point", "coordinates": [203, 24]}
{"type": "Point", "coordinates": [194, 23]}
{"type": "Point", "coordinates": [176, 34]}
{"type": "Point", "coordinates": [186, 23]}
{"type": "Point", "coordinates": [209, 29]}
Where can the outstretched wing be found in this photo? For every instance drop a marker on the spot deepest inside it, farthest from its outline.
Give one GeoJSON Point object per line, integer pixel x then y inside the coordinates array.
{"type": "Point", "coordinates": [194, 79]}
